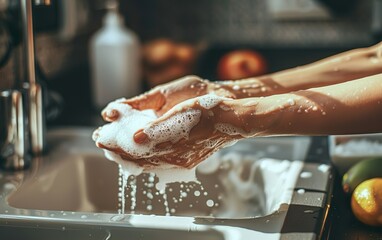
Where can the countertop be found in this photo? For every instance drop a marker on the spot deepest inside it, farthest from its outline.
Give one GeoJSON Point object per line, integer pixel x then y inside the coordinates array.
{"type": "Point", "coordinates": [341, 223]}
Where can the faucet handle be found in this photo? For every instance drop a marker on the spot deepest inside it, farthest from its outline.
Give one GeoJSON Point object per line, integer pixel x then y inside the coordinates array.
{"type": "Point", "coordinates": [14, 143]}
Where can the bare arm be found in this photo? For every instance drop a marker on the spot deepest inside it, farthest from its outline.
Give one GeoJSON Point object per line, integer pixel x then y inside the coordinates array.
{"type": "Point", "coordinates": [343, 67]}
{"type": "Point", "coordinates": [350, 107]}
{"type": "Point", "coordinates": [345, 108]}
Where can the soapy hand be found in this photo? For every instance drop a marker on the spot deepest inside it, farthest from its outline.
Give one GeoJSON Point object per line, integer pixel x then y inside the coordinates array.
{"type": "Point", "coordinates": [162, 98]}
{"type": "Point", "coordinates": [191, 134]}
{"type": "Point", "coordinates": [183, 137]}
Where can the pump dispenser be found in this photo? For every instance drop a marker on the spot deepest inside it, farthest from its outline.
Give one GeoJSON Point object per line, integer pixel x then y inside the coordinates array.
{"type": "Point", "coordinates": [115, 60]}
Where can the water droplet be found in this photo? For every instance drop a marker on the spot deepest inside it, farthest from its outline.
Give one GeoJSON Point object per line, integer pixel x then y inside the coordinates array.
{"type": "Point", "coordinates": [197, 193]}
{"type": "Point", "coordinates": [309, 211]}
{"type": "Point", "coordinates": [84, 216]}
{"type": "Point", "coordinates": [315, 108]}
{"type": "Point", "coordinates": [210, 203]}
{"type": "Point", "coordinates": [323, 168]}
{"type": "Point", "coordinates": [149, 195]}
{"type": "Point", "coordinates": [149, 207]}
{"type": "Point", "coordinates": [236, 87]}
{"type": "Point", "coordinates": [63, 228]}
{"type": "Point", "coordinates": [301, 191]}
{"type": "Point", "coordinates": [183, 194]}
{"type": "Point", "coordinates": [291, 102]}
{"type": "Point", "coordinates": [9, 186]}
{"type": "Point", "coordinates": [205, 193]}
{"type": "Point", "coordinates": [117, 218]}
{"type": "Point", "coordinates": [306, 175]}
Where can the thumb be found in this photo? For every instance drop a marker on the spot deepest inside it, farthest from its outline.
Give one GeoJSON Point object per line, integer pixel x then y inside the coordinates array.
{"type": "Point", "coordinates": [151, 100]}
{"type": "Point", "coordinates": [140, 137]}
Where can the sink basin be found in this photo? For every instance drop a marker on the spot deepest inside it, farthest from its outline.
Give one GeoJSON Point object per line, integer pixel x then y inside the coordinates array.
{"type": "Point", "coordinates": [259, 187]}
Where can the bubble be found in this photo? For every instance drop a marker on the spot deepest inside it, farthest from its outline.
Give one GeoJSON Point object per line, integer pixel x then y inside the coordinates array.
{"type": "Point", "coordinates": [210, 203]}
{"type": "Point", "coordinates": [324, 168]}
{"type": "Point", "coordinates": [183, 194]}
{"type": "Point", "coordinates": [236, 87]}
{"type": "Point", "coordinates": [197, 193]}
{"type": "Point", "coordinates": [301, 191]}
{"type": "Point", "coordinates": [291, 101]}
{"type": "Point", "coordinates": [117, 218]}
{"type": "Point", "coordinates": [149, 195]}
{"type": "Point", "coordinates": [306, 175]}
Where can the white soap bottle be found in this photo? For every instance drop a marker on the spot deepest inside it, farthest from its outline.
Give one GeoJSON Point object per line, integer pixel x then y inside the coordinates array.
{"type": "Point", "coordinates": [115, 61]}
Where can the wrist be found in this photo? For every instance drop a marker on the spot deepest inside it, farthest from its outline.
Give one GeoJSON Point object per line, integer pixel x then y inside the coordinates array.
{"type": "Point", "coordinates": [243, 117]}
{"type": "Point", "coordinates": [265, 116]}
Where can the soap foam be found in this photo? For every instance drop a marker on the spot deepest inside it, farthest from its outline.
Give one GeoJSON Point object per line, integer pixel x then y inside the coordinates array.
{"type": "Point", "coordinates": [120, 134]}
{"type": "Point", "coordinates": [211, 100]}
{"type": "Point", "coordinates": [268, 183]}
{"type": "Point", "coordinates": [229, 129]}
{"type": "Point", "coordinates": [175, 128]}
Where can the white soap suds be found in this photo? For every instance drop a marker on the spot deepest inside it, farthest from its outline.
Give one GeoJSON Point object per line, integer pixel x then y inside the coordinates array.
{"type": "Point", "coordinates": [358, 147]}
{"type": "Point", "coordinates": [120, 133]}
{"type": "Point", "coordinates": [236, 87]}
{"type": "Point", "coordinates": [211, 100]}
{"type": "Point", "coordinates": [174, 129]}
{"type": "Point", "coordinates": [267, 185]}
{"type": "Point", "coordinates": [229, 129]}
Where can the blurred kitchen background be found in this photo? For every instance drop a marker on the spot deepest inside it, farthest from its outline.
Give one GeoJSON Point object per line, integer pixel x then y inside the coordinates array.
{"type": "Point", "coordinates": [285, 33]}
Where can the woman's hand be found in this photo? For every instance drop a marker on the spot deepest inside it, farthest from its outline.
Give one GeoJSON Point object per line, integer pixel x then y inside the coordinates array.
{"type": "Point", "coordinates": [186, 134]}
{"type": "Point", "coordinates": [162, 98]}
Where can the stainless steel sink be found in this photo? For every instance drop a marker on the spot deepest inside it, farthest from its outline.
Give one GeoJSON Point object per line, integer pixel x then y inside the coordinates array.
{"type": "Point", "coordinates": [72, 192]}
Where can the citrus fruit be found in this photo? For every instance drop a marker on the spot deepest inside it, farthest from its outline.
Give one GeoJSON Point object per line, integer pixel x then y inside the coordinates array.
{"type": "Point", "coordinates": [366, 202]}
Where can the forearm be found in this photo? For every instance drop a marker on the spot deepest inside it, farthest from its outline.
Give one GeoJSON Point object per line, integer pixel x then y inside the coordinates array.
{"type": "Point", "coordinates": [340, 68]}
{"type": "Point", "coordinates": [346, 108]}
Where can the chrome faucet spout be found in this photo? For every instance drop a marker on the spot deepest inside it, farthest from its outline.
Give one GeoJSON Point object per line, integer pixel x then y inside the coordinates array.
{"type": "Point", "coordinates": [35, 96]}
{"type": "Point", "coordinates": [22, 129]}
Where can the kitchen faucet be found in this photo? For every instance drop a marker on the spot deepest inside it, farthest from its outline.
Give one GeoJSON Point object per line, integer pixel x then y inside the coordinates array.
{"type": "Point", "coordinates": [22, 129]}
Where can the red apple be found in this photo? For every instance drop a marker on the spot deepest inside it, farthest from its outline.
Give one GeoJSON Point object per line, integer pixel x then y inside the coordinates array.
{"type": "Point", "coordinates": [241, 64]}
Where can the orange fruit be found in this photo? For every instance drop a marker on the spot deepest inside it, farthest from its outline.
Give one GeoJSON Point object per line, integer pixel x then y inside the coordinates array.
{"type": "Point", "coordinates": [366, 202]}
